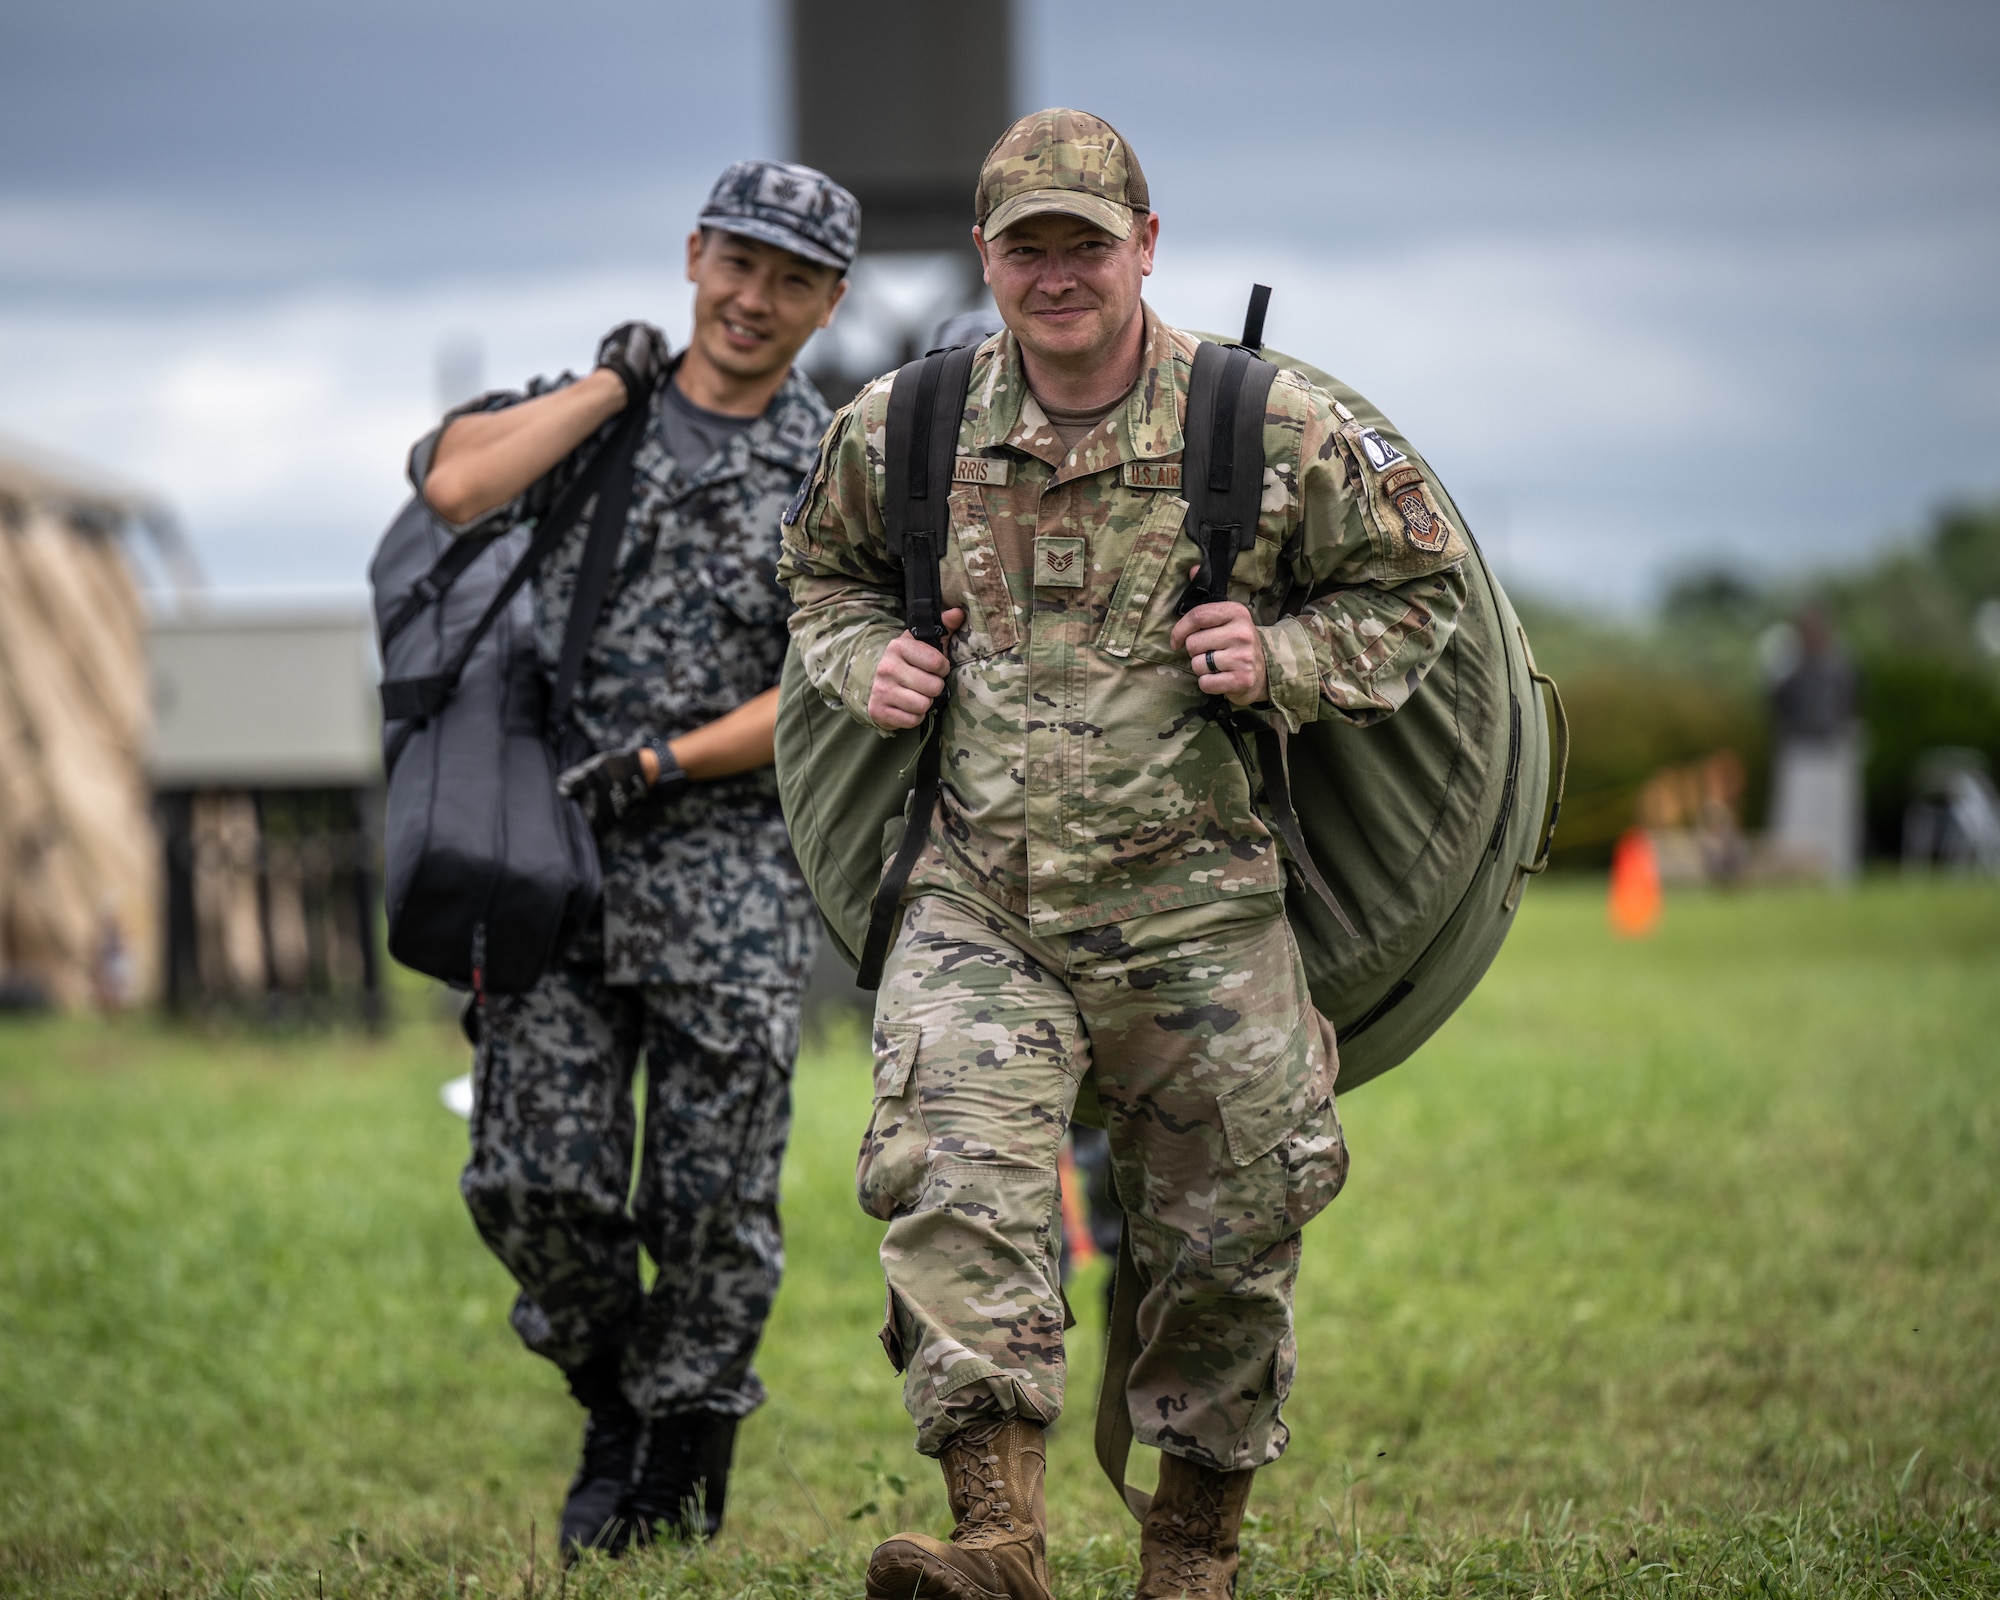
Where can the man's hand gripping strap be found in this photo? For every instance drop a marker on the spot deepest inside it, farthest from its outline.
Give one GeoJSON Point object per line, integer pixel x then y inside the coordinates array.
{"type": "Point", "coordinates": [926, 403]}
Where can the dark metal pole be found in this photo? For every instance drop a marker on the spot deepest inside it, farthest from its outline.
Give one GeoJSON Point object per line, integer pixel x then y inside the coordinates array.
{"type": "Point", "coordinates": [900, 100]}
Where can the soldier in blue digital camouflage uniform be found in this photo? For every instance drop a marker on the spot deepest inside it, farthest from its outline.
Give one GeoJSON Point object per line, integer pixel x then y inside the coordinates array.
{"type": "Point", "coordinates": [708, 929]}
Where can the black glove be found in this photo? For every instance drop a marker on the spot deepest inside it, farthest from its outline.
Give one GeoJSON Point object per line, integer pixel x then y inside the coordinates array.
{"type": "Point", "coordinates": [638, 353]}
{"type": "Point", "coordinates": [608, 786]}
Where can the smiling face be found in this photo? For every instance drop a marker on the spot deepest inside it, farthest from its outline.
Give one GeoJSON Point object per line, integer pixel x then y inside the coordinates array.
{"type": "Point", "coordinates": [1067, 289]}
{"type": "Point", "coordinates": [755, 305]}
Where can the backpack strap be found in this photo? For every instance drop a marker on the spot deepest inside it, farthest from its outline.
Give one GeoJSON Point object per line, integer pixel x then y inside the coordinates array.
{"type": "Point", "coordinates": [1112, 1436]}
{"type": "Point", "coordinates": [1222, 476]}
{"type": "Point", "coordinates": [1222, 470]}
{"type": "Point", "coordinates": [432, 587]}
{"type": "Point", "coordinates": [421, 697]}
{"type": "Point", "coordinates": [926, 404]}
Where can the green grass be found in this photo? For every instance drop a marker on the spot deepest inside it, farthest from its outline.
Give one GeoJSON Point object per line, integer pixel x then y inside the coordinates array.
{"type": "Point", "coordinates": [1668, 1268]}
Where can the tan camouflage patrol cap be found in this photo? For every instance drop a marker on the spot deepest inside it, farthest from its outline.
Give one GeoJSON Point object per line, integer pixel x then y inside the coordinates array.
{"type": "Point", "coordinates": [1061, 161]}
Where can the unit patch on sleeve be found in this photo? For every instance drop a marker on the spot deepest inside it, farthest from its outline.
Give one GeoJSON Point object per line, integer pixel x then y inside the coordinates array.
{"type": "Point", "coordinates": [791, 516]}
{"type": "Point", "coordinates": [1150, 475]}
{"type": "Point", "coordinates": [1422, 526]}
{"type": "Point", "coordinates": [996, 470]}
{"type": "Point", "coordinates": [1381, 454]}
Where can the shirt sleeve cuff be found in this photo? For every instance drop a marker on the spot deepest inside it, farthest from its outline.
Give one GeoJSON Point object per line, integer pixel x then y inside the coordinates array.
{"type": "Point", "coordinates": [1291, 672]}
{"type": "Point", "coordinates": [424, 452]}
{"type": "Point", "coordinates": [860, 679]}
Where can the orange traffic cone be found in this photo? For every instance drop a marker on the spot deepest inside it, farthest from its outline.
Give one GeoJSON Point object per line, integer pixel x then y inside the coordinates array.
{"type": "Point", "coordinates": [1075, 1211]}
{"type": "Point", "coordinates": [1634, 906]}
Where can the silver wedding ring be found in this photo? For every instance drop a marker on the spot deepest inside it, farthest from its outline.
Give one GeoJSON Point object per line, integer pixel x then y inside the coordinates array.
{"type": "Point", "coordinates": [1211, 663]}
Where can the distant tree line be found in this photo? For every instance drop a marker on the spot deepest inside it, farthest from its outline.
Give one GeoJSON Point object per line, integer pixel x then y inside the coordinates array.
{"type": "Point", "coordinates": [1921, 619]}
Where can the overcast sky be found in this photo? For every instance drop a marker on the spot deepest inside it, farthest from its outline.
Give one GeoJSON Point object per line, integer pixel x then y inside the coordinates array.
{"type": "Point", "coordinates": [1650, 284]}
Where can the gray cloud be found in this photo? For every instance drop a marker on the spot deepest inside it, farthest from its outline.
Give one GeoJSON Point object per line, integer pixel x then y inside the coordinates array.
{"type": "Point", "coordinates": [1650, 284]}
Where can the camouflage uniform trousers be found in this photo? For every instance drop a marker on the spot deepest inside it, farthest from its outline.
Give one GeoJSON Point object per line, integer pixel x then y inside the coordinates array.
{"type": "Point", "coordinates": [553, 1127]}
{"type": "Point", "coordinates": [1215, 1077]}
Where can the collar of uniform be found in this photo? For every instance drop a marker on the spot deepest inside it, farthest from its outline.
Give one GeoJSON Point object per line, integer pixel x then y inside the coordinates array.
{"type": "Point", "coordinates": [1146, 427]}
{"type": "Point", "coordinates": [789, 431]}
{"type": "Point", "coordinates": [787, 435]}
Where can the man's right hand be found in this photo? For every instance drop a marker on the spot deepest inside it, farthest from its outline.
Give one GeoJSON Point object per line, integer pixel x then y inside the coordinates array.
{"type": "Point", "coordinates": [485, 458]}
{"type": "Point", "coordinates": [636, 353]}
{"type": "Point", "coordinates": [909, 677]}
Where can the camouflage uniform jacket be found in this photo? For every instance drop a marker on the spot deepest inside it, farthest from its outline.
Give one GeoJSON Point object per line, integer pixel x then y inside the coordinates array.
{"type": "Point", "coordinates": [1084, 782]}
{"type": "Point", "coordinates": [704, 889]}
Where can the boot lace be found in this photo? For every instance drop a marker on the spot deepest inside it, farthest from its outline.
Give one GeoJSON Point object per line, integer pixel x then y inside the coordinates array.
{"type": "Point", "coordinates": [1190, 1545]}
{"type": "Point", "coordinates": [977, 1485]}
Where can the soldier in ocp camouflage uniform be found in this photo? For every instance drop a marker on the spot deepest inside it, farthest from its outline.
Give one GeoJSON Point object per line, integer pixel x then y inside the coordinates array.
{"type": "Point", "coordinates": [708, 931]}
{"type": "Point", "coordinates": [1100, 895]}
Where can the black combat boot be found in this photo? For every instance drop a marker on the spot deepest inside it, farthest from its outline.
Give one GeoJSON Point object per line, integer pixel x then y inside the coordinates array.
{"type": "Point", "coordinates": [683, 1478]}
{"type": "Point", "coordinates": [593, 1513]}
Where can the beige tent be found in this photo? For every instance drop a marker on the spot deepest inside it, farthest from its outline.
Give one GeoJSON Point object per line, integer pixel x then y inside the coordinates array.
{"type": "Point", "coordinates": [79, 860]}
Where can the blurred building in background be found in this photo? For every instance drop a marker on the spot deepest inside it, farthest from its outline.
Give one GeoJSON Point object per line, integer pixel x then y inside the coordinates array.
{"type": "Point", "coordinates": [79, 863]}
{"type": "Point", "coordinates": [187, 795]}
{"type": "Point", "coordinates": [265, 760]}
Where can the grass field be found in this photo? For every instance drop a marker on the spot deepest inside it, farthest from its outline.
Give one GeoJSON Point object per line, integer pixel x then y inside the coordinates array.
{"type": "Point", "coordinates": [1668, 1268]}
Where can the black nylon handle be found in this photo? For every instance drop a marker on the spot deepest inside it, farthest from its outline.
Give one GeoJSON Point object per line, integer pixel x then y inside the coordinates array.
{"type": "Point", "coordinates": [1253, 318]}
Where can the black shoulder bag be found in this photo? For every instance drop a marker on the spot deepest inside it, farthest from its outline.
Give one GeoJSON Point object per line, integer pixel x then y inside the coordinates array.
{"type": "Point", "coordinates": [488, 871]}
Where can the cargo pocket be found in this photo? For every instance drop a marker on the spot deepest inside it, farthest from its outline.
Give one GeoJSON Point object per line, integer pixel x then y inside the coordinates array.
{"type": "Point", "coordinates": [890, 1170]}
{"type": "Point", "coordinates": [1287, 1157]}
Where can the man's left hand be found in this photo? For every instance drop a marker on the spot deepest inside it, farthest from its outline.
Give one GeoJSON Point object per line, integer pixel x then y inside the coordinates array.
{"type": "Point", "coordinates": [1225, 650]}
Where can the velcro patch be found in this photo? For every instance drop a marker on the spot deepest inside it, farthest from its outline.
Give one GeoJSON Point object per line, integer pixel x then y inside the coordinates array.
{"type": "Point", "coordinates": [1422, 526]}
{"type": "Point", "coordinates": [996, 470]}
{"type": "Point", "coordinates": [1059, 561]}
{"type": "Point", "coordinates": [1151, 475]}
{"type": "Point", "coordinates": [791, 516]}
{"type": "Point", "coordinates": [1381, 454]}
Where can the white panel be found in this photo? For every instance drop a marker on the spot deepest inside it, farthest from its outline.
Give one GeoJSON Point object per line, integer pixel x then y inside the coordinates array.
{"type": "Point", "coordinates": [245, 700]}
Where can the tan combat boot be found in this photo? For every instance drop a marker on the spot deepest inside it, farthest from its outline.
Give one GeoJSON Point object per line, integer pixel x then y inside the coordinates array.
{"type": "Point", "coordinates": [1189, 1542]}
{"type": "Point", "coordinates": [999, 1550]}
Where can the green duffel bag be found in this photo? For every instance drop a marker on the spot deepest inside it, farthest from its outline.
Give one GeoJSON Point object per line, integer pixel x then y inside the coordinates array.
{"type": "Point", "coordinates": [1428, 824]}
{"type": "Point", "coordinates": [1425, 826]}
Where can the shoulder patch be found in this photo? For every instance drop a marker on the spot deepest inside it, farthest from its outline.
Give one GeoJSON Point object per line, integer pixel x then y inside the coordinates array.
{"type": "Point", "coordinates": [1150, 475]}
{"type": "Point", "coordinates": [798, 503]}
{"type": "Point", "coordinates": [996, 470]}
{"type": "Point", "coordinates": [1380, 452]}
{"type": "Point", "coordinates": [1422, 526]}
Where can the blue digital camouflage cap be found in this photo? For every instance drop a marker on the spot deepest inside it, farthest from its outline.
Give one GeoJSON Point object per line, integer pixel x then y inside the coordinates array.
{"type": "Point", "coordinates": [792, 207]}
